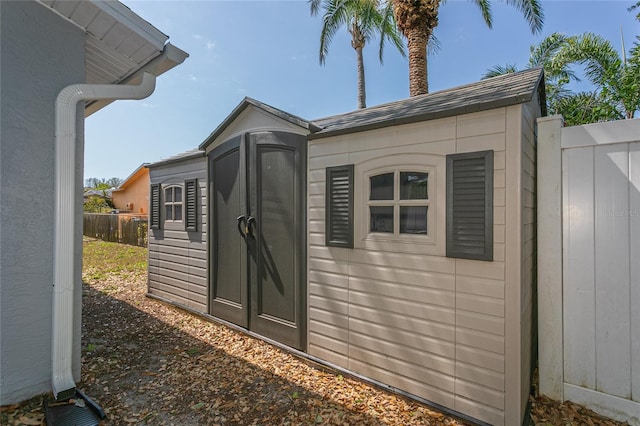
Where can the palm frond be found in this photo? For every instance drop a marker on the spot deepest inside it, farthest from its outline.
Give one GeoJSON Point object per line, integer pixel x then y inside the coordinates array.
{"type": "Point", "coordinates": [532, 11]}
{"type": "Point", "coordinates": [497, 70]}
{"type": "Point", "coordinates": [485, 10]}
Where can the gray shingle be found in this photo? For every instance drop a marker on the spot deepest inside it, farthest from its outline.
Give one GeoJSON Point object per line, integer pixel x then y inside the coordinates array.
{"type": "Point", "coordinates": [501, 91]}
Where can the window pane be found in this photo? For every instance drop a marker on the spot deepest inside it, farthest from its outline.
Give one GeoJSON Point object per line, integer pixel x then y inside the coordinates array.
{"type": "Point", "coordinates": [168, 195]}
{"type": "Point", "coordinates": [381, 218]}
{"type": "Point", "coordinates": [413, 186]}
{"type": "Point", "coordinates": [168, 212]}
{"type": "Point", "coordinates": [177, 212]}
{"type": "Point", "coordinates": [413, 220]}
{"type": "Point", "coordinates": [178, 194]}
{"type": "Point", "coordinates": [381, 187]}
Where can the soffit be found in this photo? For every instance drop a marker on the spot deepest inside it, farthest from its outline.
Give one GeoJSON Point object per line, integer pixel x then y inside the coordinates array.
{"type": "Point", "coordinates": [118, 41]}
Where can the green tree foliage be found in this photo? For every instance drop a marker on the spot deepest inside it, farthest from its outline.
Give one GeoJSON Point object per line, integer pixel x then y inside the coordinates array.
{"type": "Point", "coordinates": [95, 183]}
{"type": "Point", "coordinates": [616, 80]}
{"type": "Point", "coordinates": [417, 19]}
{"type": "Point", "coordinates": [616, 77]}
{"type": "Point", "coordinates": [97, 204]}
{"type": "Point", "coordinates": [363, 19]}
{"type": "Point", "coordinates": [98, 200]}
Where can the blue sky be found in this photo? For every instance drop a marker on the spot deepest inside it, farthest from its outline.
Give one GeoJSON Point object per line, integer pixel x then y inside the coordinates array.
{"type": "Point", "coordinates": [268, 50]}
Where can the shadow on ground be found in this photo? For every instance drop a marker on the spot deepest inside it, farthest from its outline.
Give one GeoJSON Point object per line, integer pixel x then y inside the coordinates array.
{"type": "Point", "coordinates": [146, 362]}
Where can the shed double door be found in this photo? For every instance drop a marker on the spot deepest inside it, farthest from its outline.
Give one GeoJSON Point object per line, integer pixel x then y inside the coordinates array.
{"type": "Point", "coordinates": [258, 245]}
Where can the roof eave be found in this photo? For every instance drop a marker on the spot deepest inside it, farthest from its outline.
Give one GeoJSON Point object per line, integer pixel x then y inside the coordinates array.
{"type": "Point", "coordinates": [133, 176]}
{"type": "Point", "coordinates": [170, 57]}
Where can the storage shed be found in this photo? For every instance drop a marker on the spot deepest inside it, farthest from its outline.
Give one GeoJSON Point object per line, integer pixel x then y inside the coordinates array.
{"type": "Point", "coordinates": [396, 242]}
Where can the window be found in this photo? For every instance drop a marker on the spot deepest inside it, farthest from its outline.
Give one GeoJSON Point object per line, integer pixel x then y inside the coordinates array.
{"type": "Point", "coordinates": [399, 202]}
{"type": "Point", "coordinates": [173, 203]}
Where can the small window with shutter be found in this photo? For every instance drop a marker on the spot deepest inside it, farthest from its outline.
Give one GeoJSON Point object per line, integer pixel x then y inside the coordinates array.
{"type": "Point", "coordinates": [191, 205]}
{"type": "Point", "coordinates": [470, 205]}
{"type": "Point", "coordinates": [339, 206]}
{"type": "Point", "coordinates": [154, 207]}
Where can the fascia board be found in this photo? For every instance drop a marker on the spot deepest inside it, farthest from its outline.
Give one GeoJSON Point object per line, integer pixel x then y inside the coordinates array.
{"type": "Point", "coordinates": [170, 57]}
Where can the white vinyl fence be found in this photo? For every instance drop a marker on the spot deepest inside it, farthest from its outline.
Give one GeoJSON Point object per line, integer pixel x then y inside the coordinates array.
{"type": "Point", "coordinates": [589, 265]}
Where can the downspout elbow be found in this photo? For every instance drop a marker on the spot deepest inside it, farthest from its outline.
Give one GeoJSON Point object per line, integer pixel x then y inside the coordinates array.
{"type": "Point", "coordinates": [63, 383]}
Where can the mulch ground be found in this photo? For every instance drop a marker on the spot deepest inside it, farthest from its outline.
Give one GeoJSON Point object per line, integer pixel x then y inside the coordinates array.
{"type": "Point", "coordinates": [149, 363]}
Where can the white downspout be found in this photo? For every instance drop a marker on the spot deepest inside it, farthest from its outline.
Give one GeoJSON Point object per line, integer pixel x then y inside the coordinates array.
{"type": "Point", "coordinates": [65, 217]}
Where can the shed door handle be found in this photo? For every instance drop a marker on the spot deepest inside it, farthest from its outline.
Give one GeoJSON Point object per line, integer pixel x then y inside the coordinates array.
{"type": "Point", "coordinates": [240, 219]}
{"type": "Point", "coordinates": [250, 220]}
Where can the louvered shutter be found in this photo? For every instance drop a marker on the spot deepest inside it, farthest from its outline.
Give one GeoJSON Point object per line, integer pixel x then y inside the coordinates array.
{"type": "Point", "coordinates": [470, 205]}
{"type": "Point", "coordinates": [154, 207]}
{"type": "Point", "coordinates": [339, 206]}
{"type": "Point", "coordinates": [191, 205]}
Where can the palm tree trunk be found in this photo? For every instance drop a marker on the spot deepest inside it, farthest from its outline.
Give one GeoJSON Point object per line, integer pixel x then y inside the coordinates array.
{"type": "Point", "coordinates": [417, 39]}
{"type": "Point", "coordinates": [362, 96]}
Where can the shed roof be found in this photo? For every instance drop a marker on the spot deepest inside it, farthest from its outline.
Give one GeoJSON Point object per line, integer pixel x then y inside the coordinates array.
{"type": "Point", "coordinates": [246, 102]}
{"type": "Point", "coordinates": [187, 155]}
{"type": "Point", "coordinates": [501, 91]}
{"type": "Point", "coordinates": [505, 90]}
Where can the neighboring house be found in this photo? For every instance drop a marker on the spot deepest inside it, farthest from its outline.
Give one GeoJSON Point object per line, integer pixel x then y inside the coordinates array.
{"type": "Point", "coordinates": [132, 196]}
{"type": "Point", "coordinates": [88, 193]}
{"type": "Point", "coordinates": [397, 242]}
{"type": "Point", "coordinates": [46, 47]}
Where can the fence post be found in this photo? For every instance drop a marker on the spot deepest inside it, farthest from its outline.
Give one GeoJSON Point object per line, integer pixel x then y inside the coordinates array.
{"type": "Point", "coordinates": [549, 202]}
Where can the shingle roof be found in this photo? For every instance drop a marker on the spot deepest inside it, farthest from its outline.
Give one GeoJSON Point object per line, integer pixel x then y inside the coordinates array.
{"type": "Point", "coordinates": [192, 153]}
{"type": "Point", "coordinates": [501, 91]}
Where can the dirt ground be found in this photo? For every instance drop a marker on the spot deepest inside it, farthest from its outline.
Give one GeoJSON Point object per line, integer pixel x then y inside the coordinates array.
{"type": "Point", "coordinates": [145, 362]}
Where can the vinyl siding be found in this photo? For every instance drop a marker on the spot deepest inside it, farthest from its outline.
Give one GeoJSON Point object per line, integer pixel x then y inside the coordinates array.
{"type": "Point", "coordinates": [404, 314]}
{"type": "Point", "coordinates": [177, 258]}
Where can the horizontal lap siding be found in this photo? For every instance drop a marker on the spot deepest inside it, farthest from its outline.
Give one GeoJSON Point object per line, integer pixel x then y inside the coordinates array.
{"type": "Point", "coordinates": [426, 324]}
{"type": "Point", "coordinates": [177, 258]}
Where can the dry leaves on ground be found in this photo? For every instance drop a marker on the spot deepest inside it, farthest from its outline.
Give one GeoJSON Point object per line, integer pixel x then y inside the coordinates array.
{"type": "Point", "coordinates": [145, 362]}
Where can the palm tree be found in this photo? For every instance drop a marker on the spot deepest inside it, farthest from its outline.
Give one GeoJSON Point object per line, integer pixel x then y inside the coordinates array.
{"type": "Point", "coordinates": [543, 55]}
{"type": "Point", "coordinates": [417, 19]}
{"type": "Point", "coordinates": [616, 77]}
{"type": "Point", "coordinates": [363, 19]}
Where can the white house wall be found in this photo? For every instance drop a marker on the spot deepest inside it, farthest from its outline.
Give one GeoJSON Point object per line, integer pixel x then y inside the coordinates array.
{"type": "Point", "coordinates": [405, 314]}
{"type": "Point", "coordinates": [177, 258]}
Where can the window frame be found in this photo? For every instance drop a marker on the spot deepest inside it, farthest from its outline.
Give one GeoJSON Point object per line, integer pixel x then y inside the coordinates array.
{"type": "Point", "coordinates": [396, 203]}
{"type": "Point", "coordinates": [373, 162]}
{"type": "Point", "coordinates": [173, 203]}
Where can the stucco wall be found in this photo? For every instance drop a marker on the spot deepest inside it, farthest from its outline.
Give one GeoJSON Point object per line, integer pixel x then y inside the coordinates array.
{"type": "Point", "coordinates": [41, 54]}
{"type": "Point", "coordinates": [137, 192]}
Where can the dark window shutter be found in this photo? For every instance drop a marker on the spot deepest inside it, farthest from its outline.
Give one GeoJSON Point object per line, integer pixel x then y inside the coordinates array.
{"type": "Point", "coordinates": [154, 207]}
{"type": "Point", "coordinates": [191, 205]}
{"type": "Point", "coordinates": [339, 206]}
{"type": "Point", "coordinates": [470, 205]}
